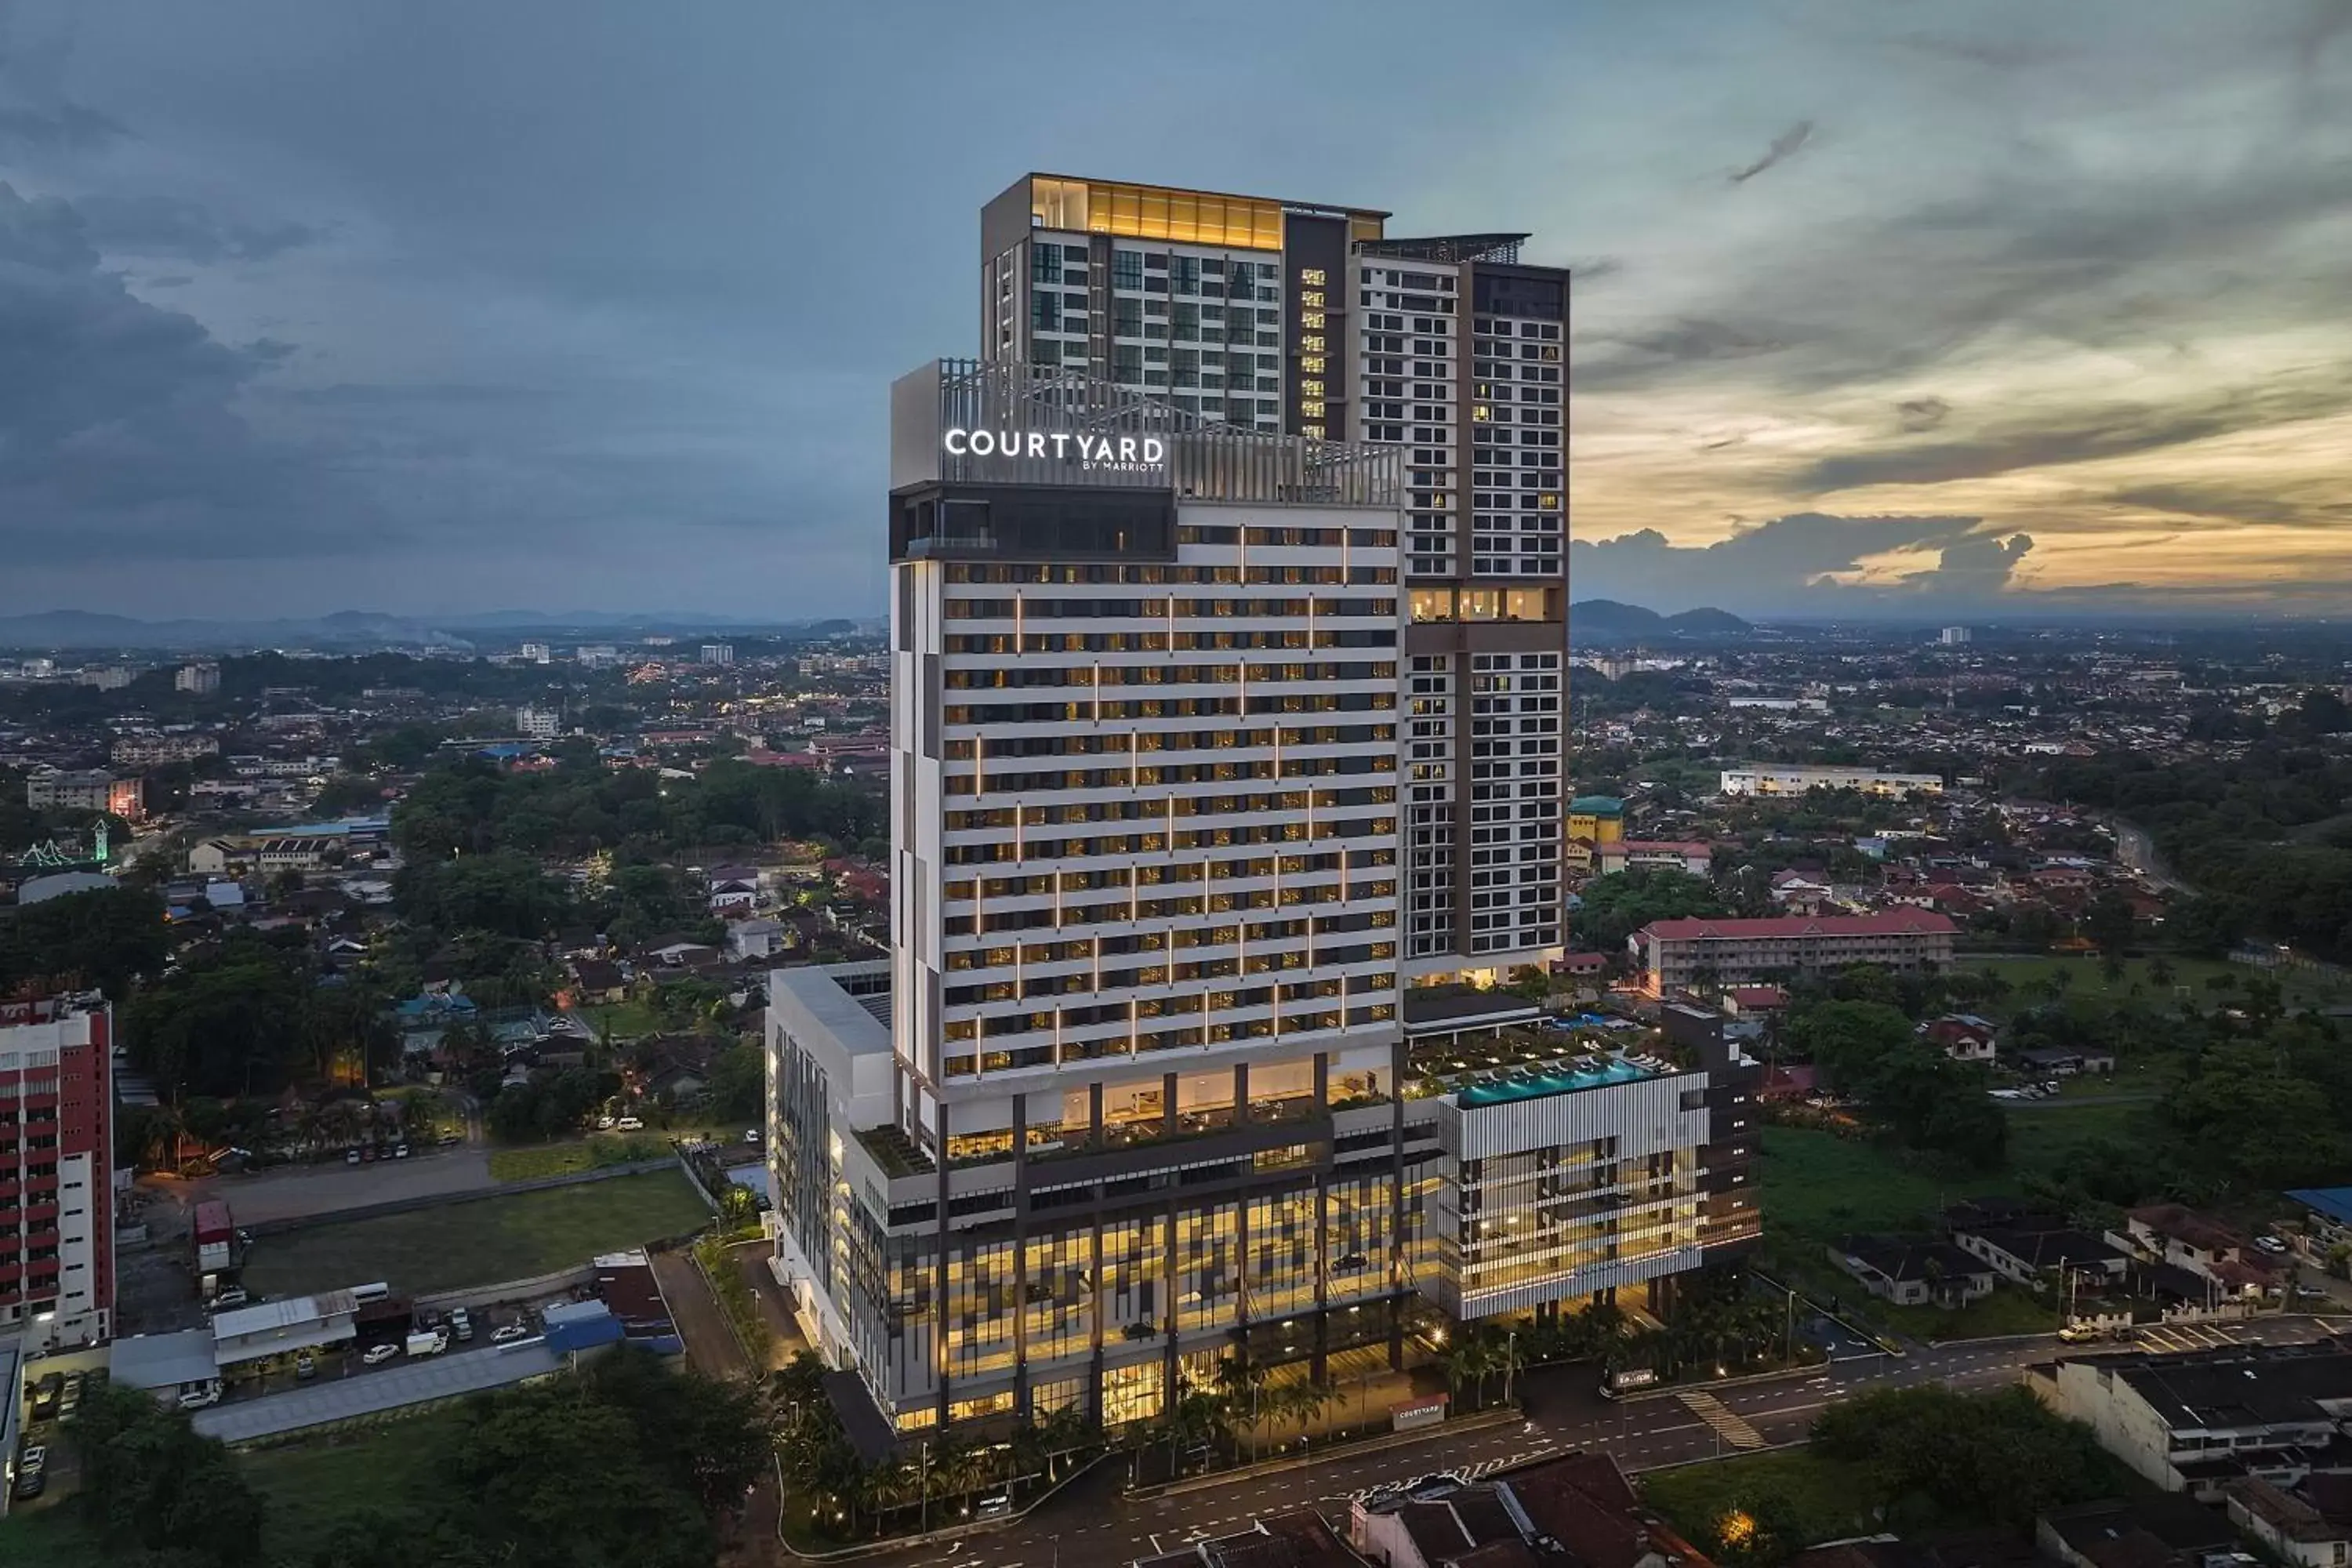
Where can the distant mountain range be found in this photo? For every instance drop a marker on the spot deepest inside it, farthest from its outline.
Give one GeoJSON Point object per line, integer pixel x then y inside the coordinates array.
{"type": "Point", "coordinates": [355, 628]}
{"type": "Point", "coordinates": [1589, 621]}
{"type": "Point", "coordinates": [1608, 621]}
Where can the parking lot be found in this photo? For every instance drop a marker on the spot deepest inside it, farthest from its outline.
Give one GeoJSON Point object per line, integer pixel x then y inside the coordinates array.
{"type": "Point", "coordinates": [337, 1364]}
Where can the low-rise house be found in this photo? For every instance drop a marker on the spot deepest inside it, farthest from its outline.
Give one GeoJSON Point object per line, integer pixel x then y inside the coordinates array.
{"type": "Point", "coordinates": [1963, 1036]}
{"type": "Point", "coordinates": [2179, 1236]}
{"type": "Point", "coordinates": [2140, 1532]}
{"type": "Point", "coordinates": [1575, 1511]}
{"type": "Point", "coordinates": [755, 938]}
{"type": "Point", "coordinates": [2033, 1257]}
{"type": "Point", "coordinates": [2193, 1420]}
{"type": "Point", "coordinates": [2058, 1061]}
{"type": "Point", "coordinates": [599, 981]}
{"type": "Point", "coordinates": [2328, 1215]}
{"type": "Point", "coordinates": [2310, 1527]}
{"type": "Point", "coordinates": [1913, 1273]}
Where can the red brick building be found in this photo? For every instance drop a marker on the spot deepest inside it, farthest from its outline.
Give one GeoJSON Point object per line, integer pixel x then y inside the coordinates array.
{"type": "Point", "coordinates": [57, 1170]}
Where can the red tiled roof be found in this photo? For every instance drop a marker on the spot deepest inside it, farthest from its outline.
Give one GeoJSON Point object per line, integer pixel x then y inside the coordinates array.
{"type": "Point", "coordinates": [1905, 921]}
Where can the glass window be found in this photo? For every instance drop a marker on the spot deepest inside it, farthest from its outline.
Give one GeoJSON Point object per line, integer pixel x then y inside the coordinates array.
{"type": "Point", "coordinates": [1044, 261]}
{"type": "Point", "coordinates": [1185, 274]}
{"type": "Point", "coordinates": [1127, 269]}
{"type": "Point", "coordinates": [1045, 312]}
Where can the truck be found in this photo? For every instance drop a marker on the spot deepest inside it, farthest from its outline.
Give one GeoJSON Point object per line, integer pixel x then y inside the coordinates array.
{"type": "Point", "coordinates": [212, 1235]}
{"type": "Point", "coordinates": [432, 1341]}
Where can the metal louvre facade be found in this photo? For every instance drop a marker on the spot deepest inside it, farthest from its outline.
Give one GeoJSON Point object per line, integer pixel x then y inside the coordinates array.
{"type": "Point", "coordinates": [1556, 1197]}
{"type": "Point", "coordinates": [979, 421]}
{"type": "Point", "coordinates": [1645, 1117]}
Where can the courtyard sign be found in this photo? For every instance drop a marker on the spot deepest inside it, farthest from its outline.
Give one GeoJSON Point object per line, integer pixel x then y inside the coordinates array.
{"type": "Point", "coordinates": [1118, 454]}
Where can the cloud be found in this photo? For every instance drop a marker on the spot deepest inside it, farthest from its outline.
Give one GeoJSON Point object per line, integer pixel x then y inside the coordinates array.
{"type": "Point", "coordinates": [2066, 436]}
{"type": "Point", "coordinates": [2238, 503]}
{"type": "Point", "coordinates": [183, 231]}
{"type": "Point", "coordinates": [1806, 564]}
{"type": "Point", "coordinates": [1784, 147]}
{"type": "Point", "coordinates": [118, 426]}
{"type": "Point", "coordinates": [35, 113]}
{"type": "Point", "coordinates": [1917, 413]}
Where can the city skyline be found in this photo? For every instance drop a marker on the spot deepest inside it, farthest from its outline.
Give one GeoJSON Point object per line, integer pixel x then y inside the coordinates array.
{"type": "Point", "coordinates": [1974, 312]}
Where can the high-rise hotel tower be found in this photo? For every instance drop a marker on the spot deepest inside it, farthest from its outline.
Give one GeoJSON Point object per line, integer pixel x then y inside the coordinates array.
{"type": "Point", "coordinates": [1310, 319]}
{"type": "Point", "coordinates": [1227, 651]}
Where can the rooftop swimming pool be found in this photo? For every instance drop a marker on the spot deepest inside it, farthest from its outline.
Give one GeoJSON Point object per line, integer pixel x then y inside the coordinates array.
{"type": "Point", "coordinates": [1531, 1084]}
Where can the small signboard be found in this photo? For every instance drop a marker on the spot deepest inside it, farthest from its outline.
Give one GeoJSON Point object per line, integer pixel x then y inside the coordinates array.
{"type": "Point", "coordinates": [1417, 1413]}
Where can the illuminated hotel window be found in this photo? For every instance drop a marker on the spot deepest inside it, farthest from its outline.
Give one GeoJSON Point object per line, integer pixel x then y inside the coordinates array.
{"type": "Point", "coordinates": [1312, 321]}
{"type": "Point", "coordinates": [1311, 275]}
{"type": "Point", "coordinates": [1311, 363]}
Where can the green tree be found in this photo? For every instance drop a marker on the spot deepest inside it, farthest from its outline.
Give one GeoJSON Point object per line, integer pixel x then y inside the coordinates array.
{"type": "Point", "coordinates": [2246, 1117]}
{"type": "Point", "coordinates": [149, 1481]}
{"type": "Point", "coordinates": [105, 939]}
{"type": "Point", "coordinates": [1621, 903]}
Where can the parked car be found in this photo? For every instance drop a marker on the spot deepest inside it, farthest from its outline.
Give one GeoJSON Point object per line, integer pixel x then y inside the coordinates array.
{"type": "Point", "coordinates": [604, 1124]}
{"type": "Point", "coordinates": [750, 1135]}
{"type": "Point", "coordinates": [306, 1367]}
{"type": "Point", "coordinates": [400, 1151]}
{"type": "Point", "coordinates": [351, 1156]}
{"type": "Point", "coordinates": [448, 1138]}
{"type": "Point", "coordinates": [32, 1471]}
{"type": "Point", "coordinates": [70, 1399]}
{"type": "Point", "coordinates": [462, 1323]}
{"type": "Point", "coordinates": [2270, 1243]}
{"type": "Point", "coordinates": [234, 1296]}
{"type": "Point", "coordinates": [46, 1395]}
{"type": "Point", "coordinates": [629, 1124]}
{"type": "Point", "coordinates": [197, 1395]}
{"type": "Point", "coordinates": [508, 1334]}
{"type": "Point", "coordinates": [378, 1355]}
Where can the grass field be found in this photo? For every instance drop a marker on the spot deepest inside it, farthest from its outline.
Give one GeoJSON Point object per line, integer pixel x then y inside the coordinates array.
{"type": "Point", "coordinates": [622, 1020]}
{"type": "Point", "coordinates": [1832, 1500]}
{"type": "Point", "coordinates": [1819, 1186]}
{"type": "Point", "coordinates": [593, 1152]}
{"type": "Point", "coordinates": [2028, 980]}
{"type": "Point", "coordinates": [312, 1487]}
{"type": "Point", "coordinates": [2042, 1132]}
{"type": "Point", "coordinates": [480, 1242]}
{"type": "Point", "coordinates": [50, 1538]}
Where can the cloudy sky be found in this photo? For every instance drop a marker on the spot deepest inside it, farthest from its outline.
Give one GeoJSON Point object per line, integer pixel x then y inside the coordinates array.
{"type": "Point", "coordinates": [1886, 307]}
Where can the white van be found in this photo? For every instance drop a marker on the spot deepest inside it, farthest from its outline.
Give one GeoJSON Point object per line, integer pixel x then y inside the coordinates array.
{"type": "Point", "coordinates": [629, 1124]}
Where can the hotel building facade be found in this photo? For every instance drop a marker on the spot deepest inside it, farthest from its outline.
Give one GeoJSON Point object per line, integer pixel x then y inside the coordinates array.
{"type": "Point", "coordinates": [1312, 319]}
{"type": "Point", "coordinates": [1226, 706]}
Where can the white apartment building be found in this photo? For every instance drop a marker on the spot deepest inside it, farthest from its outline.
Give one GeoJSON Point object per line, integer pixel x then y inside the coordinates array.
{"type": "Point", "coordinates": [539, 723]}
{"type": "Point", "coordinates": [1796, 778]}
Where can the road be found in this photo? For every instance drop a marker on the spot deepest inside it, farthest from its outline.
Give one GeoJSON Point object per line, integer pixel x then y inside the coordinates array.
{"type": "Point", "coordinates": [2137, 848]}
{"type": "Point", "coordinates": [1090, 1523]}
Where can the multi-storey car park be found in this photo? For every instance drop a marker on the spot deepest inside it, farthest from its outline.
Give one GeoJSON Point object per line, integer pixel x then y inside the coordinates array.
{"type": "Point", "coordinates": [1136, 1090]}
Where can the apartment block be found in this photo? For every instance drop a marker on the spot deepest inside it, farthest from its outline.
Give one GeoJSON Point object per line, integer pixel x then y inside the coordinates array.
{"type": "Point", "coordinates": [1678, 954]}
{"type": "Point", "coordinates": [93, 789]}
{"type": "Point", "coordinates": [56, 1174]}
{"type": "Point", "coordinates": [1796, 778]}
{"type": "Point", "coordinates": [1311, 319]}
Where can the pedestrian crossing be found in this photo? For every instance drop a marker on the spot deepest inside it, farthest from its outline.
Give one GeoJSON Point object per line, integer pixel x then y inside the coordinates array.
{"type": "Point", "coordinates": [2186, 1336]}
{"type": "Point", "coordinates": [1728, 1423]}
